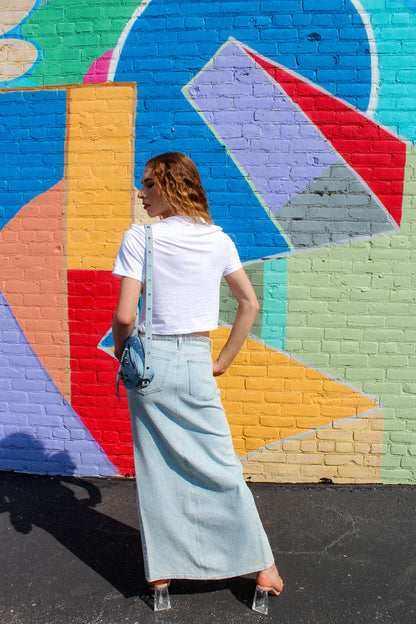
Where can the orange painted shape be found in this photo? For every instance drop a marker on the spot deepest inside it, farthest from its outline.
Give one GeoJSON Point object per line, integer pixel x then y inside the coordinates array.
{"type": "Point", "coordinates": [32, 279]}
{"type": "Point", "coordinates": [279, 397]}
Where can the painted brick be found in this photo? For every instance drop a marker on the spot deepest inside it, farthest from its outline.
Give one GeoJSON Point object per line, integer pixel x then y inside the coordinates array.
{"type": "Point", "coordinates": [344, 447]}
{"type": "Point", "coordinates": [309, 458]}
{"type": "Point", "coordinates": [343, 460]}
{"type": "Point", "coordinates": [373, 461]}
{"type": "Point", "coordinates": [349, 307]}
{"type": "Point", "coordinates": [366, 449]}
{"type": "Point", "coordinates": [291, 445]}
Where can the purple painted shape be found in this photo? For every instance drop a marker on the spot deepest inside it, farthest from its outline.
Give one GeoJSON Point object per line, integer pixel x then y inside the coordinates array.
{"type": "Point", "coordinates": [39, 430]}
{"type": "Point", "coordinates": [261, 126]}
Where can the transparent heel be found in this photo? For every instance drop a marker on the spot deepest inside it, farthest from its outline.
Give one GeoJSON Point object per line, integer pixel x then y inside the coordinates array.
{"type": "Point", "coordinates": [161, 599]}
{"type": "Point", "coordinates": [261, 601]}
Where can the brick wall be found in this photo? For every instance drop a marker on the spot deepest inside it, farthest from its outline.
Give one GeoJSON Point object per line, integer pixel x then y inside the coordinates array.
{"type": "Point", "coordinates": [299, 116]}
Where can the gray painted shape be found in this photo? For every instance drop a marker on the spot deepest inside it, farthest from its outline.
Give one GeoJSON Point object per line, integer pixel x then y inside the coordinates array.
{"type": "Point", "coordinates": [336, 207]}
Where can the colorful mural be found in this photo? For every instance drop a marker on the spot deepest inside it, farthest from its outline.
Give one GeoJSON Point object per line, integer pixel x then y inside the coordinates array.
{"type": "Point", "coordinates": [298, 116]}
{"type": "Point", "coordinates": [59, 292]}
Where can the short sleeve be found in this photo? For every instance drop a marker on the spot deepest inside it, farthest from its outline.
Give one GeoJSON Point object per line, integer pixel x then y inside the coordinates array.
{"type": "Point", "coordinates": [233, 262]}
{"type": "Point", "coordinates": [130, 258]}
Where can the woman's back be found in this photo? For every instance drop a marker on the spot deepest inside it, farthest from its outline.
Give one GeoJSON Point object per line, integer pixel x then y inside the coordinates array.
{"type": "Point", "coordinates": [189, 259]}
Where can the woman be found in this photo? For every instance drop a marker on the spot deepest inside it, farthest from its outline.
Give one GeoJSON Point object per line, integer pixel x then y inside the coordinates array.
{"type": "Point", "coordinates": [197, 516]}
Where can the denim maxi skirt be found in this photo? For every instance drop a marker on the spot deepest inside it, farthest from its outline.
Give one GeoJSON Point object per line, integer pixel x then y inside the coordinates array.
{"type": "Point", "coordinates": [198, 519]}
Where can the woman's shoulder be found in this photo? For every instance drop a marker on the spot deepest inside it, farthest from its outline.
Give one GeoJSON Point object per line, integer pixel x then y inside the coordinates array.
{"type": "Point", "coordinates": [136, 232]}
{"type": "Point", "coordinates": [137, 229]}
{"type": "Point", "coordinates": [134, 237]}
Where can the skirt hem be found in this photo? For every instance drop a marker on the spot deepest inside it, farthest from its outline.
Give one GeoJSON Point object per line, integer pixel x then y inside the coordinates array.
{"type": "Point", "coordinates": [202, 577]}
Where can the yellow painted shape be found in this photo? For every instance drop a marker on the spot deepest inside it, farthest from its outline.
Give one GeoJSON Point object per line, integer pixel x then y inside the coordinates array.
{"type": "Point", "coordinates": [347, 451]}
{"type": "Point", "coordinates": [269, 396]}
{"type": "Point", "coordinates": [99, 173]}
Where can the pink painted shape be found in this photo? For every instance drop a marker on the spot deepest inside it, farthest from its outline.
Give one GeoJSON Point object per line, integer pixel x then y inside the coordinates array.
{"type": "Point", "coordinates": [98, 72]}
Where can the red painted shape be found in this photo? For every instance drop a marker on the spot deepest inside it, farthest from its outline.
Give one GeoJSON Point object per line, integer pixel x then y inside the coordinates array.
{"type": "Point", "coordinates": [92, 299]}
{"type": "Point", "coordinates": [374, 153]}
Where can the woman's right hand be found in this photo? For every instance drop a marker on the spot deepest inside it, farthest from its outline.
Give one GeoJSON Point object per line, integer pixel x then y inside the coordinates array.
{"type": "Point", "coordinates": [247, 310]}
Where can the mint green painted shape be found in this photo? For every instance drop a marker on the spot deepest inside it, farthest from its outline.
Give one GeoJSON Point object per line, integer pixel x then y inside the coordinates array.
{"type": "Point", "coordinates": [394, 29]}
{"type": "Point", "coordinates": [275, 303]}
{"type": "Point", "coordinates": [72, 35]}
{"type": "Point", "coordinates": [352, 313]}
{"type": "Point", "coordinates": [228, 305]}
{"type": "Point", "coordinates": [269, 280]}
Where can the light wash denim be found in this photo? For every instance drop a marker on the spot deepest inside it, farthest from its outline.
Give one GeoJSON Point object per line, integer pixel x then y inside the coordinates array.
{"type": "Point", "coordinates": [198, 519]}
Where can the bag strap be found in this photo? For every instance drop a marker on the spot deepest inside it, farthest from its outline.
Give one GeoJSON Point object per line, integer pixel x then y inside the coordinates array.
{"type": "Point", "coordinates": [148, 312]}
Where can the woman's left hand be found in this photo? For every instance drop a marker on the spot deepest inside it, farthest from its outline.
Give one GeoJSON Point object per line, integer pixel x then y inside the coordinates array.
{"type": "Point", "coordinates": [118, 354]}
{"type": "Point", "coordinates": [218, 368]}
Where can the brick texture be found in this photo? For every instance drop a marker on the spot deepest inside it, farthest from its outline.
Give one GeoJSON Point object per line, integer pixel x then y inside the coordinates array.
{"type": "Point", "coordinates": [300, 117]}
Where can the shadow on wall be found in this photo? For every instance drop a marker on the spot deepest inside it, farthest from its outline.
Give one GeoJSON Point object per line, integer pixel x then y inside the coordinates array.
{"type": "Point", "coordinates": [64, 507]}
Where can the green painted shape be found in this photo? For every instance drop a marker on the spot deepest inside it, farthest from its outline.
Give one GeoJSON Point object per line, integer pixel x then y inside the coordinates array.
{"type": "Point", "coordinates": [228, 305]}
{"type": "Point", "coordinates": [352, 313]}
{"type": "Point", "coordinates": [72, 35]}
{"type": "Point", "coordinates": [275, 303]}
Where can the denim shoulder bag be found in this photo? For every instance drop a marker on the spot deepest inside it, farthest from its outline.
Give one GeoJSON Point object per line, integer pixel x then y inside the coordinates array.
{"type": "Point", "coordinates": [136, 370]}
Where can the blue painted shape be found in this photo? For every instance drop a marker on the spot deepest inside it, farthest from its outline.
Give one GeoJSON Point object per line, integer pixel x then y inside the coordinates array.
{"type": "Point", "coordinates": [396, 100]}
{"type": "Point", "coordinates": [276, 145]}
{"type": "Point", "coordinates": [108, 341]}
{"type": "Point", "coordinates": [24, 82]}
{"type": "Point", "coordinates": [39, 430]}
{"type": "Point", "coordinates": [166, 121]}
{"type": "Point", "coordinates": [32, 146]}
{"type": "Point", "coordinates": [274, 324]}
{"type": "Point", "coordinates": [408, 4]}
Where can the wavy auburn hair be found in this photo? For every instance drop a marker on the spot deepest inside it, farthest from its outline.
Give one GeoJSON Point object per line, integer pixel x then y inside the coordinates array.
{"type": "Point", "coordinates": [180, 186]}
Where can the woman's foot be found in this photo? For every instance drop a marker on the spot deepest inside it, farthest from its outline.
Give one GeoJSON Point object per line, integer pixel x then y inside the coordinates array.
{"type": "Point", "coordinates": [270, 580]}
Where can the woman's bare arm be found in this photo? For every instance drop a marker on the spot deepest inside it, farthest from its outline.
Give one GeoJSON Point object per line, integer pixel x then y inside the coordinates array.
{"type": "Point", "coordinates": [248, 308]}
{"type": "Point", "coordinates": [125, 314]}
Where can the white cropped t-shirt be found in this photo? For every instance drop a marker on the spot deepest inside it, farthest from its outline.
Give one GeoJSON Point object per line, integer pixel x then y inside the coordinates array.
{"type": "Point", "coordinates": [189, 260]}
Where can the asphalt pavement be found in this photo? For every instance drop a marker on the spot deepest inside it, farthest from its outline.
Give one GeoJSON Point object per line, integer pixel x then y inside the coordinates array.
{"type": "Point", "coordinates": [70, 554]}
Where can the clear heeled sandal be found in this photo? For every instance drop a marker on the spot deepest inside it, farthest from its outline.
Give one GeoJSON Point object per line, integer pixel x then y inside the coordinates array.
{"type": "Point", "coordinates": [261, 600]}
{"type": "Point", "coordinates": [161, 599]}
